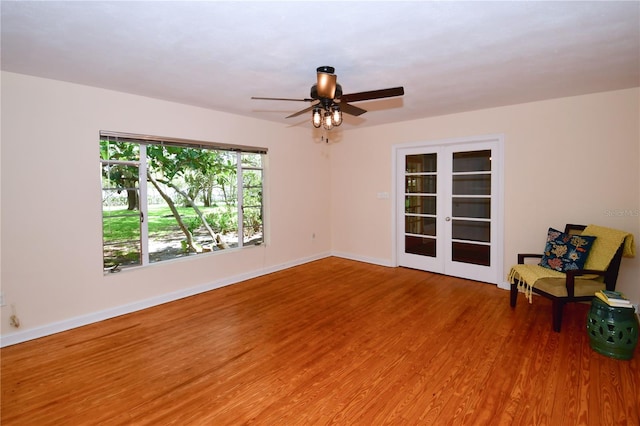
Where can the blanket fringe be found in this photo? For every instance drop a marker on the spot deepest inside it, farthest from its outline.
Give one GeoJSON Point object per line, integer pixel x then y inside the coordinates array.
{"type": "Point", "coordinates": [523, 287]}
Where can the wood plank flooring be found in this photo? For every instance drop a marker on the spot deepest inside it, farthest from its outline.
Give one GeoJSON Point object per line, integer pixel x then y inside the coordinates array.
{"type": "Point", "coordinates": [330, 342]}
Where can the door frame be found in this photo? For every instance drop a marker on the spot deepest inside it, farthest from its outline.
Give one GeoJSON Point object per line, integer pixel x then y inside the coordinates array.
{"type": "Point", "coordinates": [497, 158]}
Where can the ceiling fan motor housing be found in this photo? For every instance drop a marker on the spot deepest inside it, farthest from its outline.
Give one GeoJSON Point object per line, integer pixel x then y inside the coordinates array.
{"type": "Point", "coordinates": [314, 92]}
{"type": "Point", "coordinates": [326, 69]}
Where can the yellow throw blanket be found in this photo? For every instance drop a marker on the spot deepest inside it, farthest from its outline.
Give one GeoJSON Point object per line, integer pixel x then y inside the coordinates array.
{"type": "Point", "coordinates": [525, 276]}
{"type": "Point", "coordinates": [604, 248]}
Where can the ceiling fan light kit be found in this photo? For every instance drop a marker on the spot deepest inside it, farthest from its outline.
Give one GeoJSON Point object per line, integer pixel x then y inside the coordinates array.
{"type": "Point", "coordinates": [336, 115]}
{"type": "Point", "coordinates": [330, 103]}
{"type": "Point", "coordinates": [316, 117]}
{"type": "Point", "coordinates": [327, 119]}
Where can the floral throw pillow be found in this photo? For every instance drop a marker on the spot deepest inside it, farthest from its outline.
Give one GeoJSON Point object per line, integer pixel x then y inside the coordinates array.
{"type": "Point", "coordinates": [564, 252]}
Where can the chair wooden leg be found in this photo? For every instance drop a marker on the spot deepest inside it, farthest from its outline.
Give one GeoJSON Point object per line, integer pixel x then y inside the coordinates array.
{"type": "Point", "coordinates": [513, 295]}
{"type": "Point", "coordinates": [557, 308]}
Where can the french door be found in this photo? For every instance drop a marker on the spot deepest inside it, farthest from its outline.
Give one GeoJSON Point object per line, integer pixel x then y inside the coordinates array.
{"type": "Point", "coordinates": [448, 208]}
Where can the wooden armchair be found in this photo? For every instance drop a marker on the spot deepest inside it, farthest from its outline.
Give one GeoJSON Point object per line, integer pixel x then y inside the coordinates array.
{"type": "Point", "coordinates": [574, 285]}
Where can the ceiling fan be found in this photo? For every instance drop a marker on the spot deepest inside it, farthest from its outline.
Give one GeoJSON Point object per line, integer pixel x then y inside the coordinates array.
{"type": "Point", "coordinates": [329, 102]}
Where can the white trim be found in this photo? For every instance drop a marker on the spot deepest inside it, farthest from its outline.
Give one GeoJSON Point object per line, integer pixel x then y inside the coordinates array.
{"type": "Point", "coordinates": [365, 259]}
{"type": "Point", "coordinates": [451, 141]}
{"type": "Point", "coordinates": [395, 149]}
{"type": "Point", "coordinates": [163, 140]}
{"type": "Point", "coordinates": [240, 199]}
{"type": "Point", "coordinates": [505, 285]}
{"type": "Point", "coordinates": [71, 323]}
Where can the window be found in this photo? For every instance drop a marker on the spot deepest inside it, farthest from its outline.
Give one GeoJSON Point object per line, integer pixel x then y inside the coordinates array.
{"type": "Point", "coordinates": [168, 198]}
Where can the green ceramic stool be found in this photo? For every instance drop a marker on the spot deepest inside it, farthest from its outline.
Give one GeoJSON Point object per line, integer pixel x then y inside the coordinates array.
{"type": "Point", "coordinates": [613, 331]}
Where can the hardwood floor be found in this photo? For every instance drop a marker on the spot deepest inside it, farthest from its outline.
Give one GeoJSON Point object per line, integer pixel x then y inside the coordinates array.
{"type": "Point", "coordinates": [330, 342]}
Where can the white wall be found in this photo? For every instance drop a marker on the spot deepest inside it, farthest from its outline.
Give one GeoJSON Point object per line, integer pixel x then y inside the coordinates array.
{"type": "Point", "coordinates": [567, 160]}
{"type": "Point", "coordinates": [51, 203]}
{"type": "Point", "coordinates": [570, 160]}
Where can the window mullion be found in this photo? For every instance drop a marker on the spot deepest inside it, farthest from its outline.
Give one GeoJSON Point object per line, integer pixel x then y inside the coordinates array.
{"type": "Point", "coordinates": [142, 205]}
{"type": "Point", "coordinates": [240, 186]}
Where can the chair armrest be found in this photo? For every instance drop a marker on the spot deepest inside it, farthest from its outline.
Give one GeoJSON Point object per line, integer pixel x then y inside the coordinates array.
{"type": "Point", "coordinates": [572, 274]}
{"type": "Point", "coordinates": [577, 272]}
{"type": "Point", "coordinates": [523, 256]}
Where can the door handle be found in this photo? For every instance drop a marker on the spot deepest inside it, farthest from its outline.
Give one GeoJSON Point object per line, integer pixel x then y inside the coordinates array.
{"type": "Point", "coordinates": [448, 219]}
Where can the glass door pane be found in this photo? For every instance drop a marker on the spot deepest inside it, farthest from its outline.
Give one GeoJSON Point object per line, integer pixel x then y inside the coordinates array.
{"type": "Point", "coordinates": [420, 189]}
{"type": "Point", "coordinates": [472, 161]}
{"type": "Point", "coordinates": [471, 207]}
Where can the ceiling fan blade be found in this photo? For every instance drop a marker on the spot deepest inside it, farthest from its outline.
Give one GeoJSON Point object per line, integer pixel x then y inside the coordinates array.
{"type": "Point", "coordinates": [326, 85]}
{"type": "Point", "coordinates": [351, 110]}
{"type": "Point", "coordinates": [295, 114]}
{"type": "Point", "coordinates": [373, 94]}
{"type": "Point", "coordinates": [282, 99]}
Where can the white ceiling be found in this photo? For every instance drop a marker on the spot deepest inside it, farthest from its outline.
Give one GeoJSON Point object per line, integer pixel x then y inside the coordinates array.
{"type": "Point", "coordinates": [449, 56]}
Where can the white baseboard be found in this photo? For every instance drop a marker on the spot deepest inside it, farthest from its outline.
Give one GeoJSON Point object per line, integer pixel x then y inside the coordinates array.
{"type": "Point", "coordinates": [372, 260]}
{"type": "Point", "coordinates": [505, 285]}
{"type": "Point", "coordinates": [71, 323]}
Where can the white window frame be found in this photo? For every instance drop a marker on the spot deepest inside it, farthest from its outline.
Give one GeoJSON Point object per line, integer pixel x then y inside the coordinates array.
{"type": "Point", "coordinates": [144, 140]}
